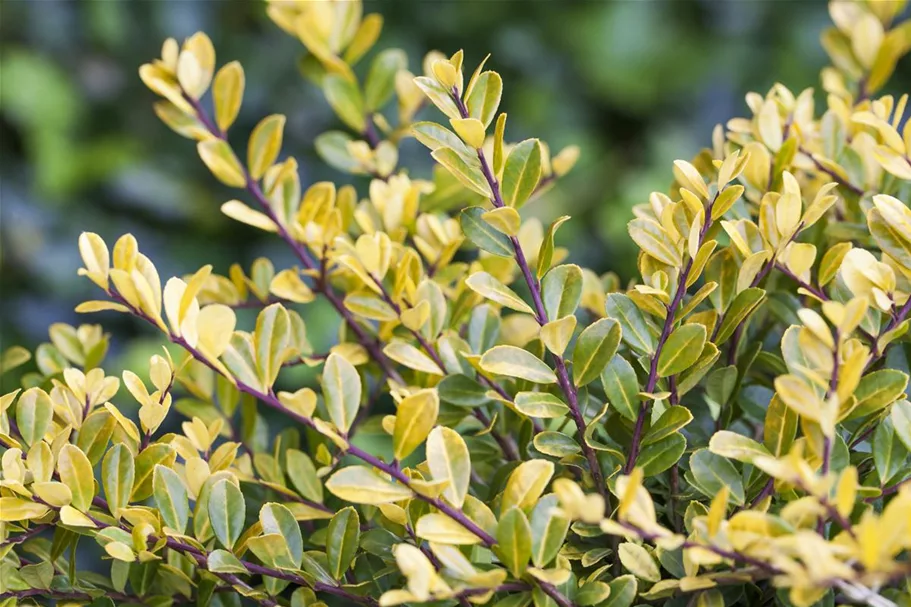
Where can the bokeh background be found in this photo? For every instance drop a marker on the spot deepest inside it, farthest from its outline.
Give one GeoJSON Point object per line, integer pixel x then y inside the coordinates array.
{"type": "Point", "coordinates": [635, 83]}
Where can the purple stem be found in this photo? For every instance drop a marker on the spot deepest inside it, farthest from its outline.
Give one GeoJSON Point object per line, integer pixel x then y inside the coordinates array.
{"type": "Point", "coordinates": [666, 330]}
{"type": "Point", "coordinates": [534, 288]}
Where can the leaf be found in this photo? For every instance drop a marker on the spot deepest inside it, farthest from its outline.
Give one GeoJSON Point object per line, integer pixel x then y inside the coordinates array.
{"type": "Point", "coordinates": [548, 531]}
{"type": "Point", "coordinates": [623, 591]}
{"type": "Point", "coordinates": [877, 390]}
{"type": "Point", "coordinates": [546, 252]}
{"type": "Point", "coordinates": [482, 234]}
{"type": "Point", "coordinates": [16, 509]}
{"type": "Point", "coordinates": [526, 484]}
{"type": "Point", "coordinates": [227, 509]}
{"type": "Point", "coordinates": [380, 83]}
{"type": "Point", "coordinates": [484, 97]}
{"type": "Point", "coordinates": [170, 498]}
{"type": "Point", "coordinates": [342, 537]}
{"type": "Point", "coordinates": [228, 93]}
{"type": "Point", "coordinates": [449, 460]}
{"type": "Point", "coordinates": [345, 99]}
{"type": "Point", "coordinates": [514, 541]}
{"type": "Point", "coordinates": [413, 358]}
{"type": "Point", "coordinates": [561, 290]}
{"type": "Point", "coordinates": [901, 422]}
{"type": "Point", "coordinates": [362, 485]}
{"type": "Point", "coordinates": [780, 427]}
{"type": "Point", "coordinates": [303, 475]}
{"type": "Point", "coordinates": [341, 391]}
{"type": "Point", "coordinates": [594, 349]}
{"type": "Point", "coordinates": [516, 362]}
{"type": "Point", "coordinates": [674, 418]}
{"type": "Point", "coordinates": [442, 529]}
{"type": "Point", "coordinates": [736, 446]}
{"type": "Point", "coordinates": [75, 471]}
{"type": "Point", "coordinates": [654, 240]}
{"type": "Point", "coordinates": [238, 211]}
{"type": "Point", "coordinates": [146, 461]}
{"type": "Point", "coordinates": [659, 456]}
{"type": "Point", "coordinates": [34, 414]}
{"type": "Point", "coordinates": [277, 519]}
{"type": "Point", "coordinates": [468, 173]}
{"type": "Point", "coordinates": [621, 387]}
{"type": "Point", "coordinates": [521, 173]}
{"type": "Point", "coordinates": [470, 130]}
{"type": "Point", "coordinates": [557, 334]}
{"type": "Point", "coordinates": [220, 159]}
{"type": "Point", "coordinates": [540, 404]}
{"type": "Point", "coordinates": [632, 323]}
{"type": "Point", "coordinates": [713, 473]}
{"type": "Point", "coordinates": [681, 349]}
{"type": "Point", "coordinates": [462, 391]}
{"type": "Point", "coordinates": [117, 476]}
{"type": "Point", "coordinates": [271, 341]}
{"type": "Point", "coordinates": [415, 417]}
{"type": "Point", "coordinates": [743, 306]}
{"type": "Point", "coordinates": [222, 561]}
{"type": "Point", "coordinates": [889, 454]}
{"type": "Point", "coordinates": [639, 562]}
{"type": "Point", "coordinates": [487, 286]}
{"type": "Point", "coordinates": [556, 444]}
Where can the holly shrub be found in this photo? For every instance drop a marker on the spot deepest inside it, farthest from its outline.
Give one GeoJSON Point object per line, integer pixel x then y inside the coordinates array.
{"type": "Point", "coordinates": [730, 429]}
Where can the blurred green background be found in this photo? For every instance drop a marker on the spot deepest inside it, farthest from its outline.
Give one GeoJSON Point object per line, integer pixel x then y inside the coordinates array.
{"type": "Point", "coordinates": [635, 83]}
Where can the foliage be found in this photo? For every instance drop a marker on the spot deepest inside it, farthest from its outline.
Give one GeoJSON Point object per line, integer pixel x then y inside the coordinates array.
{"type": "Point", "coordinates": [731, 429]}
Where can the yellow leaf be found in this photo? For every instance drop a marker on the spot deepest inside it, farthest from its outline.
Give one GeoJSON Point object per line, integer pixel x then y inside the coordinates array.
{"type": "Point", "coordinates": [414, 418]}
{"type": "Point", "coordinates": [228, 93]}
{"type": "Point", "coordinates": [504, 219]}
{"type": "Point", "coordinates": [516, 362]}
{"type": "Point", "coordinates": [442, 529]}
{"type": "Point", "coordinates": [238, 211]}
{"type": "Point", "coordinates": [265, 144]}
{"type": "Point", "coordinates": [526, 484]}
{"type": "Point", "coordinates": [220, 159]}
{"type": "Point", "coordinates": [557, 334]}
{"type": "Point", "coordinates": [471, 130]}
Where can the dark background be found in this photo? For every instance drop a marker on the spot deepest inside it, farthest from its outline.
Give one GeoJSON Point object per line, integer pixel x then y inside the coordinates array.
{"type": "Point", "coordinates": [636, 84]}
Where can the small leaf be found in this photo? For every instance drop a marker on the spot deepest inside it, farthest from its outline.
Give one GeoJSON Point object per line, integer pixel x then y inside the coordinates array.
{"type": "Point", "coordinates": [540, 404]}
{"type": "Point", "coordinates": [362, 485]}
{"type": "Point", "coordinates": [442, 529]}
{"type": "Point", "coordinates": [415, 416]}
{"type": "Point", "coordinates": [265, 144]}
{"type": "Point", "coordinates": [34, 415]}
{"type": "Point", "coordinates": [75, 471]}
{"type": "Point", "coordinates": [342, 539]}
{"type": "Point", "coordinates": [526, 484]}
{"type": "Point", "coordinates": [516, 362]}
{"type": "Point", "coordinates": [228, 93]}
{"type": "Point", "coordinates": [449, 460]}
{"type": "Point", "coordinates": [487, 286]}
{"type": "Point", "coordinates": [303, 475]}
{"type": "Point", "coordinates": [468, 173]}
{"type": "Point", "coordinates": [635, 331]}
{"type": "Point", "coordinates": [521, 173]}
{"type": "Point", "coordinates": [380, 83]}
{"type": "Point", "coordinates": [546, 252]}
{"type": "Point", "coordinates": [621, 387]}
{"type": "Point", "coordinates": [171, 498]}
{"type": "Point", "coordinates": [341, 390]}
{"type": "Point", "coordinates": [117, 476]}
{"type": "Point", "coordinates": [561, 290]}
{"type": "Point", "coordinates": [639, 562]}
{"type": "Point", "coordinates": [220, 159]}
{"type": "Point", "coordinates": [345, 98]}
{"type": "Point", "coordinates": [484, 97]}
{"type": "Point", "coordinates": [713, 473]}
{"type": "Point", "coordinates": [743, 306]}
{"type": "Point", "coordinates": [514, 541]}
{"type": "Point", "coordinates": [594, 349]}
{"type": "Point", "coordinates": [483, 235]}
{"type": "Point", "coordinates": [681, 350]}
{"type": "Point", "coordinates": [227, 509]}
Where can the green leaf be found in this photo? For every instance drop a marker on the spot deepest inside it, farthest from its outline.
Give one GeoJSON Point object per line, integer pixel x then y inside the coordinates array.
{"type": "Point", "coordinates": [332, 147]}
{"type": "Point", "coordinates": [117, 477]}
{"type": "Point", "coordinates": [674, 418]}
{"type": "Point", "coordinates": [594, 349]}
{"type": "Point", "coordinates": [780, 427]}
{"type": "Point", "coordinates": [713, 472]}
{"type": "Point", "coordinates": [548, 531]}
{"type": "Point", "coordinates": [487, 286]}
{"type": "Point", "coordinates": [362, 485]}
{"type": "Point", "coordinates": [227, 509]}
{"type": "Point", "coordinates": [222, 561]}
{"type": "Point", "coordinates": [877, 390]}
{"type": "Point", "coordinates": [462, 391]}
{"type": "Point", "coordinates": [561, 290]}
{"type": "Point", "coordinates": [889, 454]}
{"type": "Point", "coordinates": [277, 519]}
{"type": "Point", "coordinates": [540, 404]}
{"type": "Point", "coordinates": [380, 83]}
{"type": "Point", "coordinates": [95, 433]}
{"type": "Point", "coordinates": [514, 541]}
{"type": "Point", "coordinates": [75, 471]}
{"type": "Point", "coordinates": [34, 414]}
{"type": "Point", "coordinates": [438, 95]}
{"type": "Point", "coordinates": [736, 446]}
{"type": "Point", "coordinates": [621, 387]}
{"type": "Point", "coordinates": [623, 591]}
{"type": "Point", "coordinates": [526, 484]}
{"type": "Point", "coordinates": [546, 252]}
{"type": "Point", "coordinates": [901, 421]}
{"type": "Point", "coordinates": [468, 173]}
{"type": "Point", "coordinates": [681, 350]}
{"type": "Point", "coordinates": [265, 145]}
{"type": "Point", "coordinates": [415, 417]}
{"type": "Point", "coordinates": [635, 331]}
{"type": "Point", "coordinates": [303, 475]}
{"type": "Point", "coordinates": [170, 498]}
{"type": "Point", "coordinates": [661, 455]}
{"type": "Point", "coordinates": [743, 306]}
{"type": "Point", "coordinates": [521, 173]}
{"type": "Point", "coordinates": [482, 234]}
{"type": "Point", "coordinates": [341, 391]}
{"type": "Point", "coordinates": [516, 362]}
{"type": "Point", "coordinates": [271, 341]}
{"type": "Point", "coordinates": [146, 461]}
{"type": "Point", "coordinates": [638, 561]}
{"type": "Point", "coordinates": [342, 539]}
{"type": "Point", "coordinates": [484, 97]}
{"type": "Point", "coordinates": [556, 444]}
{"type": "Point", "coordinates": [345, 98]}
{"type": "Point", "coordinates": [592, 593]}
{"type": "Point", "coordinates": [449, 460]}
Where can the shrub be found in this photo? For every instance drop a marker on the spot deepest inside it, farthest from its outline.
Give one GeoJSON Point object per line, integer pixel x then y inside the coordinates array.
{"type": "Point", "coordinates": [732, 429]}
